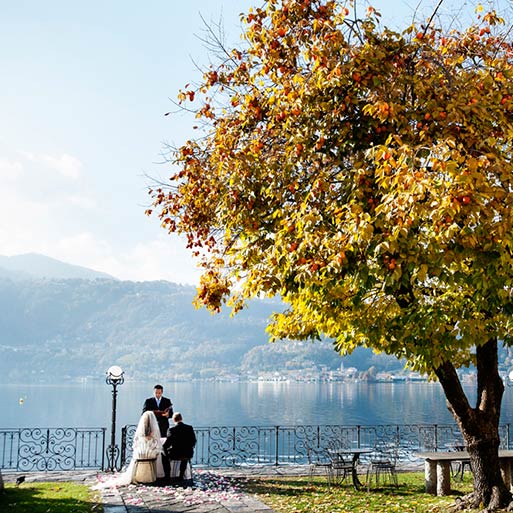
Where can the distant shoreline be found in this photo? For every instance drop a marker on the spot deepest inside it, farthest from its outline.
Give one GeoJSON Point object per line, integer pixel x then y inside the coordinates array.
{"type": "Point", "coordinates": [145, 382]}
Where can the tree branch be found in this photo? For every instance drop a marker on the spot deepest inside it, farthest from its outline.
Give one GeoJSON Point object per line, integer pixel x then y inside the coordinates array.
{"type": "Point", "coordinates": [456, 398]}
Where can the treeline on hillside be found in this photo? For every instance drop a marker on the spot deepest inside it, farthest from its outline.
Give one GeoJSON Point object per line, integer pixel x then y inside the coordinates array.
{"type": "Point", "coordinates": [54, 329]}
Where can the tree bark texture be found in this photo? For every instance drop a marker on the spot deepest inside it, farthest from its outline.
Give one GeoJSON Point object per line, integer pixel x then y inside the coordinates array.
{"type": "Point", "coordinates": [479, 425]}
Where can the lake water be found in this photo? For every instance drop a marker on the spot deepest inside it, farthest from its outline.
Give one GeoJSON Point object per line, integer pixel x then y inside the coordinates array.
{"type": "Point", "coordinates": [233, 404]}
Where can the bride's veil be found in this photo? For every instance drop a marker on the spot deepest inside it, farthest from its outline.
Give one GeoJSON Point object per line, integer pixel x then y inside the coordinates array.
{"type": "Point", "coordinates": [147, 426]}
{"type": "Point", "coordinates": [146, 438]}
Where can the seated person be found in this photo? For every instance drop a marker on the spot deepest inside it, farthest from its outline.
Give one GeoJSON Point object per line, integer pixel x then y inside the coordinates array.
{"type": "Point", "coordinates": [146, 446]}
{"type": "Point", "coordinates": [179, 444]}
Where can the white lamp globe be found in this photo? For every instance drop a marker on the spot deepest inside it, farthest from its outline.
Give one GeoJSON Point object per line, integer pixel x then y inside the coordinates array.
{"type": "Point", "coordinates": [115, 372]}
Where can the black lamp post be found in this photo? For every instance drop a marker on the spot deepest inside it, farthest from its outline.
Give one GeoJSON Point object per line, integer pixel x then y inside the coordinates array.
{"type": "Point", "coordinates": [114, 377]}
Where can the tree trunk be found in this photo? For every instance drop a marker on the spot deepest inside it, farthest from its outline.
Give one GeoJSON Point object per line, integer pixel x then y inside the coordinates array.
{"type": "Point", "coordinates": [480, 426]}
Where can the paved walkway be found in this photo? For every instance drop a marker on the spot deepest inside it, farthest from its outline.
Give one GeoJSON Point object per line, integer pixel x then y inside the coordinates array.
{"type": "Point", "coordinates": [214, 491]}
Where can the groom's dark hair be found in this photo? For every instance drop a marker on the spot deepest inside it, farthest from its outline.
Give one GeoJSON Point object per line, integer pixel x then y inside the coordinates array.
{"type": "Point", "coordinates": [158, 387]}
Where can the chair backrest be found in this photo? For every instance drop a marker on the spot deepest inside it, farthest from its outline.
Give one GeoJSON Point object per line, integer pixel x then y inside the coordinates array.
{"type": "Point", "coordinates": [386, 452]}
{"type": "Point", "coordinates": [146, 455]}
{"type": "Point", "coordinates": [316, 455]}
{"type": "Point", "coordinates": [337, 444]}
{"type": "Point", "coordinates": [336, 451]}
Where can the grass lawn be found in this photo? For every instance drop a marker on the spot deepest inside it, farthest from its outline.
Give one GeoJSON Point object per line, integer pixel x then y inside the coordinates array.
{"type": "Point", "coordinates": [298, 495]}
{"type": "Point", "coordinates": [61, 497]}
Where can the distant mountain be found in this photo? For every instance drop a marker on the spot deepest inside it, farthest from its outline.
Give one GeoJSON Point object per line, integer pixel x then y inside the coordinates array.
{"type": "Point", "coordinates": [57, 329]}
{"type": "Point", "coordinates": [33, 265]}
{"type": "Point", "coordinates": [60, 321]}
{"type": "Point", "coordinates": [52, 330]}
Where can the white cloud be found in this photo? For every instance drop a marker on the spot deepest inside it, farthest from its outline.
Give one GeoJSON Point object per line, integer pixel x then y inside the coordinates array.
{"type": "Point", "coordinates": [36, 213]}
{"type": "Point", "coordinates": [82, 248]}
{"type": "Point", "coordinates": [82, 202]}
{"type": "Point", "coordinates": [43, 211]}
{"type": "Point", "coordinates": [164, 258]}
{"type": "Point", "coordinates": [23, 221]}
{"type": "Point", "coordinates": [10, 170]}
{"type": "Point", "coordinates": [65, 164]}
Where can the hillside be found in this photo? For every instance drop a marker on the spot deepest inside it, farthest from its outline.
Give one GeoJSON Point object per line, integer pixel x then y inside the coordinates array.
{"type": "Point", "coordinates": [53, 330]}
{"type": "Point", "coordinates": [59, 329]}
{"type": "Point", "coordinates": [81, 327]}
{"type": "Point", "coordinates": [65, 322]}
{"type": "Point", "coordinates": [33, 265]}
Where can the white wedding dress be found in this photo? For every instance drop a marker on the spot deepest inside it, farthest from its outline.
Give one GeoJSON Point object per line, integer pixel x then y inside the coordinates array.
{"type": "Point", "coordinates": [146, 445]}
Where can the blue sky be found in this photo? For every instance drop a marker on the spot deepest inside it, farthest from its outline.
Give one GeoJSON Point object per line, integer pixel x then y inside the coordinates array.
{"type": "Point", "coordinates": [84, 90]}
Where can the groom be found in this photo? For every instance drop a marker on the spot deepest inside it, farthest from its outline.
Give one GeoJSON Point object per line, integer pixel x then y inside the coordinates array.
{"type": "Point", "coordinates": [161, 406]}
{"type": "Point", "coordinates": [180, 443]}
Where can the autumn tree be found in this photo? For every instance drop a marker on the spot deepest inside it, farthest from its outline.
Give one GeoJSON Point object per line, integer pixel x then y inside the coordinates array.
{"type": "Point", "coordinates": [364, 176]}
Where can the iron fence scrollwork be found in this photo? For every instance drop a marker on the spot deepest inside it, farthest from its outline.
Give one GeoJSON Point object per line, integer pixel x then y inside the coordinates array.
{"type": "Point", "coordinates": [47, 449]}
{"type": "Point", "coordinates": [227, 446]}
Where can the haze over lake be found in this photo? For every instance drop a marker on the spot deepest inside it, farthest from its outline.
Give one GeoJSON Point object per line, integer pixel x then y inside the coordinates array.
{"type": "Point", "coordinates": [233, 404]}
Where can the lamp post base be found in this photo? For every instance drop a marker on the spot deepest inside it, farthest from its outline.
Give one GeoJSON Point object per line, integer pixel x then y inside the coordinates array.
{"type": "Point", "coordinates": [112, 458]}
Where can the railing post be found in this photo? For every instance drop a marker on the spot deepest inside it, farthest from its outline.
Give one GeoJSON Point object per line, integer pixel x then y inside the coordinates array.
{"type": "Point", "coordinates": [208, 448]}
{"type": "Point", "coordinates": [104, 430]}
{"type": "Point", "coordinates": [436, 437]}
{"type": "Point", "coordinates": [276, 445]}
{"type": "Point", "coordinates": [18, 450]}
{"type": "Point", "coordinates": [358, 435]}
{"type": "Point", "coordinates": [18, 437]}
{"type": "Point", "coordinates": [123, 447]}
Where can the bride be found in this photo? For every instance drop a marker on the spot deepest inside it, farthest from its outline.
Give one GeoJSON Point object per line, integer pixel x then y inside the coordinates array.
{"type": "Point", "coordinates": [146, 445]}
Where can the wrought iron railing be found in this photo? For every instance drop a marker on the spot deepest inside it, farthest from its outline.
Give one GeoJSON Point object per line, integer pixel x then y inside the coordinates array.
{"type": "Point", "coordinates": [225, 446]}
{"type": "Point", "coordinates": [30, 449]}
{"type": "Point", "coordinates": [47, 449]}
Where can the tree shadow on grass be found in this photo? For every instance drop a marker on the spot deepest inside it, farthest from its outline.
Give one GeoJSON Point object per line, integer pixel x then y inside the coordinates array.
{"type": "Point", "coordinates": [296, 487]}
{"type": "Point", "coordinates": [298, 495]}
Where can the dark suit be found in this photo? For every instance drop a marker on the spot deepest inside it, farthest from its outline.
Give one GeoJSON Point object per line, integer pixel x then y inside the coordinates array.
{"type": "Point", "coordinates": [151, 405]}
{"type": "Point", "coordinates": [179, 444]}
